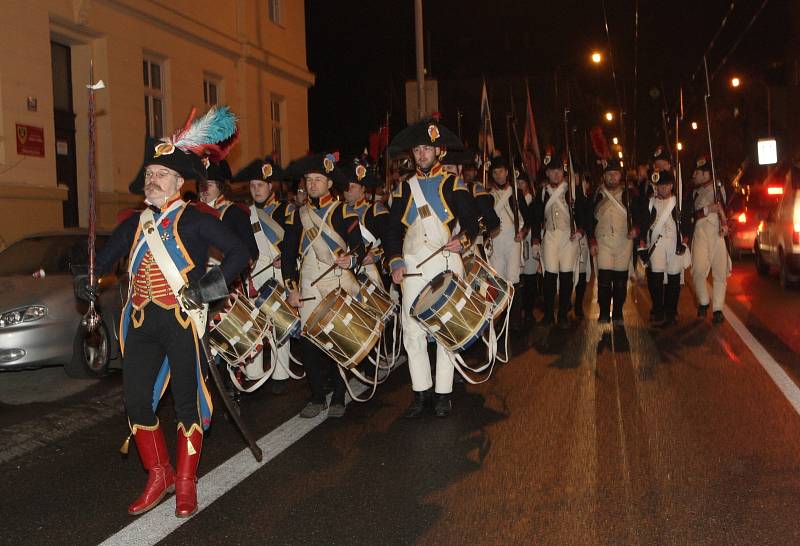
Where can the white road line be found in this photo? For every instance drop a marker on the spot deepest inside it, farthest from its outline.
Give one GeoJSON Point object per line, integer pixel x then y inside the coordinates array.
{"type": "Point", "coordinates": [155, 525]}
{"type": "Point", "coordinates": [774, 370]}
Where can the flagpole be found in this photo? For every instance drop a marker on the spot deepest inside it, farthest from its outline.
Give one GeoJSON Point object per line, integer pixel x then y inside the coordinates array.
{"type": "Point", "coordinates": [418, 20]}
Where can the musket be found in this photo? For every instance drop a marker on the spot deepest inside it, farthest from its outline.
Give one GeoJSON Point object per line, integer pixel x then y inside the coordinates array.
{"type": "Point", "coordinates": [387, 164]}
{"type": "Point", "coordinates": [91, 319]}
{"type": "Point", "coordinates": [680, 248]}
{"type": "Point", "coordinates": [459, 115]}
{"type": "Point", "coordinates": [570, 176]}
{"type": "Point", "coordinates": [716, 182]}
{"type": "Point", "coordinates": [513, 197]}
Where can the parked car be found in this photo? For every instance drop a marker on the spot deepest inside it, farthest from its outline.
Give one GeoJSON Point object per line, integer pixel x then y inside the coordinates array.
{"type": "Point", "coordinates": [40, 317]}
{"type": "Point", "coordinates": [777, 243]}
{"type": "Point", "coordinates": [746, 211]}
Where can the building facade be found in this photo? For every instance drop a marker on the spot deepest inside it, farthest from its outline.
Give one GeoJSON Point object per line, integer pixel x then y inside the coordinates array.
{"type": "Point", "coordinates": [159, 59]}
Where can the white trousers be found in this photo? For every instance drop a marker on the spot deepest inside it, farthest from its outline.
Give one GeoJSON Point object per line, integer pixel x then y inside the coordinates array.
{"type": "Point", "coordinates": [709, 253]}
{"type": "Point", "coordinates": [415, 338]}
{"type": "Point", "coordinates": [614, 253]}
{"type": "Point", "coordinates": [507, 255]}
{"type": "Point", "coordinates": [559, 252]}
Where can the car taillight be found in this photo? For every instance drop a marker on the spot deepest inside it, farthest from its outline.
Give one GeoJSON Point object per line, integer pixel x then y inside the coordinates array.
{"type": "Point", "coordinates": [742, 218]}
{"type": "Point", "coordinates": [774, 190]}
{"type": "Point", "coordinates": [760, 227]}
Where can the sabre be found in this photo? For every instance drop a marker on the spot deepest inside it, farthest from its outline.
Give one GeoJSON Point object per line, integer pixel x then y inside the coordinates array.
{"type": "Point", "coordinates": [717, 190]}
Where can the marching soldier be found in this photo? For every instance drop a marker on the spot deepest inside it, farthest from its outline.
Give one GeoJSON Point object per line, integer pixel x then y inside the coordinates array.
{"type": "Point", "coordinates": [553, 217]}
{"type": "Point", "coordinates": [663, 250]}
{"type": "Point", "coordinates": [167, 246]}
{"type": "Point", "coordinates": [531, 276]}
{"type": "Point", "coordinates": [425, 210]}
{"type": "Point", "coordinates": [614, 230]}
{"type": "Point", "coordinates": [267, 220]}
{"type": "Point", "coordinates": [212, 193]}
{"type": "Point", "coordinates": [373, 218]}
{"type": "Point", "coordinates": [321, 233]}
{"type": "Point", "coordinates": [584, 200]}
{"type": "Point", "coordinates": [511, 208]}
{"type": "Point", "coordinates": [709, 251]}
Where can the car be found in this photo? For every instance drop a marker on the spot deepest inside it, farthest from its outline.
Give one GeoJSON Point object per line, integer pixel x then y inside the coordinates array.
{"type": "Point", "coordinates": [40, 318]}
{"type": "Point", "coordinates": [777, 242]}
{"type": "Point", "coordinates": [746, 211]}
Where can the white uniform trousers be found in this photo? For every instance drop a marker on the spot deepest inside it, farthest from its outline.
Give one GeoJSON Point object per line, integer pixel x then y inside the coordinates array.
{"type": "Point", "coordinates": [559, 252]}
{"type": "Point", "coordinates": [255, 367]}
{"type": "Point", "coordinates": [614, 252]}
{"type": "Point", "coordinates": [415, 338]}
{"type": "Point", "coordinates": [709, 253]}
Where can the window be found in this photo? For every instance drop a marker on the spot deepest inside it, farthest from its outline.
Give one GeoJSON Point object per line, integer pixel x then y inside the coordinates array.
{"type": "Point", "coordinates": [210, 91]}
{"type": "Point", "coordinates": [153, 97]}
{"type": "Point", "coordinates": [276, 107]}
{"type": "Point", "coordinates": [275, 14]}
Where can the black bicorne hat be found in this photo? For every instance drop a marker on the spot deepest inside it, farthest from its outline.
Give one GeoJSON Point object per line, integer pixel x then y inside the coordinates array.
{"type": "Point", "coordinates": [498, 162]}
{"type": "Point", "coordinates": [466, 157]}
{"type": "Point", "coordinates": [218, 171]}
{"type": "Point", "coordinates": [261, 169]}
{"type": "Point", "coordinates": [611, 165]}
{"type": "Point", "coordinates": [662, 177]}
{"type": "Point", "coordinates": [158, 152]}
{"type": "Point", "coordinates": [702, 164]}
{"type": "Point", "coordinates": [553, 160]}
{"type": "Point", "coordinates": [662, 153]}
{"type": "Point", "coordinates": [354, 171]}
{"type": "Point", "coordinates": [316, 163]}
{"type": "Point", "coordinates": [426, 132]}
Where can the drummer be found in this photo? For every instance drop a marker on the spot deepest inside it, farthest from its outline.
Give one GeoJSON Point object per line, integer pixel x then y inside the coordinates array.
{"type": "Point", "coordinates": [268, 219]}
{"type": "Point", "coordinates": [354, 178]}
{"type": "Point", "coordinates": [418, 226]}
{"type": "Point", "coordinates": [318, 235]}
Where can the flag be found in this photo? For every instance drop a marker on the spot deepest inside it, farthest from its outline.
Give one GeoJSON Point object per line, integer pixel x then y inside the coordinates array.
{"type": "Point", "coordinates": [599, 143]}
{"type": "Point", "coordinates": [530, 142]}
{"type": "Point", "coordinates": [486, 136]}
{"type": "Point", "coordinates": [378, 141]}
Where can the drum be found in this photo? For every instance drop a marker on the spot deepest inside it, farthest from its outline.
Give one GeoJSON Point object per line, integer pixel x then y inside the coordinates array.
{"type": "Point", "coordinates": [451, 311]}
{"type": "Point", "coordinates": [375, 298]}
{"type": "Point", "coordinates": [237, 330]}
{"type": "Point", "coordinates": [343, 328]}
{"type": "Point", "coordinates": [487, 282]}
{"type": "Point", "coordinates": [284, 318]}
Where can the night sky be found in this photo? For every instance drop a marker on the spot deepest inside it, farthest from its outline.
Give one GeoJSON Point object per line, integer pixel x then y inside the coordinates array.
{"type": "Point", "coordinates": [362, 53]}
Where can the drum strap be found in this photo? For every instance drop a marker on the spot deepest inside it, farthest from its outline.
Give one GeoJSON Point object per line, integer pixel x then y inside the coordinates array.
{"type": "Point", "coordinates": [430, 221]}
{"type": "Point", "coordinates": [316, 227]}
{"type": "Point", "coordinates": [258, 217]}
{"type": "Point", "coordinates": [169, 269]}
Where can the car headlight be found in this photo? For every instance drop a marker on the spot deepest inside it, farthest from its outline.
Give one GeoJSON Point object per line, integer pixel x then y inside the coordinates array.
{"type": "Point", "coordinates": [23, 314]}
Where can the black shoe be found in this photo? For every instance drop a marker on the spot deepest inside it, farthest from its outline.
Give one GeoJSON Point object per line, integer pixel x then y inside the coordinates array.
{"type": "Point", "coordinates": [604, 320]}
{"type": "Point", "coordinates": [417, 407]}
{"type": "Point", "coordinates": [443, 405]}
{"type": "Point", "coordinates": [279, 386]}
{"type": "Point", "coordinates": [701, 311]}
{"type": "Point", "coordinates": [718, 318]}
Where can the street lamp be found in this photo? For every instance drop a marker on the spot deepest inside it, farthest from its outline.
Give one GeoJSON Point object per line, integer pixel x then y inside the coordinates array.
{"type": "Point", "coordinates": [680, 146]}
{"type": "Point", "coordinates": [736, 81]}
{"type": "Point", "coordinates": [609, 116]}
{"type": "Point", "coordinates": [597, 57]}
{"type": "Point", "coordinates": [694, 126]}
{"type": "Point", "coordinates": [620, 154]}
{"type": "Point", "coordinates": [615, 140]}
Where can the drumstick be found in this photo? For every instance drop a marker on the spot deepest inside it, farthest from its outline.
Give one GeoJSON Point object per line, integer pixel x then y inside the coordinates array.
{"type": "Point", "coordinates": [412, 274]}
{"type": "Point", "coordinates": [331, 268]}
{"type": "Point", "coordinates": [260, 271]}
{"type": "Point", "coordinates": [438, 251]}
{"type": "Point", "coordinates": [309, 298]}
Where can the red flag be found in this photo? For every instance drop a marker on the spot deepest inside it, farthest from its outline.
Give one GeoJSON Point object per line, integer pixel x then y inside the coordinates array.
{"type": "Point", "coordinates": [599, 143]}
{"type": "Point", "coordinates": [378, 141]}
{"type": "Point", "coordinates": [530, 153]}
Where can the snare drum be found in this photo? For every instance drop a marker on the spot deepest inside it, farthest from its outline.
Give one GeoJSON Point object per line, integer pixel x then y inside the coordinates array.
{"type": "Point", "coordinates": [487, 282]}
{"type": "Point", "coordinates": [343, 328]}
{"type": "Point", "coordinates": [375, 298]}
{"type": "Point", "coordinates": [451, 311]}
{"type": "Point", "coordinates": [238, 330]}
{"type": "Point", "coordinates": [284, 318]}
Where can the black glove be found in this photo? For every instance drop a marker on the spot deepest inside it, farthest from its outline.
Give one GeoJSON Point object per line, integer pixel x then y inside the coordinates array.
{"type": "Point", "coordinates": [83, 290]}
{"type": "Point", "coordinates": [211, 287]}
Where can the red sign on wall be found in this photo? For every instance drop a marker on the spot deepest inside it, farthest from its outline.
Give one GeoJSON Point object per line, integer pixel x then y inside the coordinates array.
{"type": "Point", "coordinates": [30, 140]}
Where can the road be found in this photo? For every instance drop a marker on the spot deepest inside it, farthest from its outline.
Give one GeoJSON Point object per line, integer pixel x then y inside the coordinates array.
{"type": "Point", "coordinates": [591, 436]}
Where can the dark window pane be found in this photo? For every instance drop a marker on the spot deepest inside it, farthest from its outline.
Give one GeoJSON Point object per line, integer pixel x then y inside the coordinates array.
{"type": "Point", "coordinates": [158, 114]}
{"type": "Point", "coordinates": [205, 91]}
{"type": "Point", "coordinates": [155, 80]}
{"type": "Point", "coordinates": [212, 93]}
{"type": "Point", "coordinates": [147, 127]}
{"type": "Point", "coordinates": [146, 73]}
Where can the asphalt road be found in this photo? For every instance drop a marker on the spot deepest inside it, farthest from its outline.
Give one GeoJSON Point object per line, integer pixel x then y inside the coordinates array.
{"type": "Point", "coordinates": [591, 436]}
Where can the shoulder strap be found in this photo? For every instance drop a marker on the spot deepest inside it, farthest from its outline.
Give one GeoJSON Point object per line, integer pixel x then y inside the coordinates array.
{"type": "Point", "coordinates": [424, 210]}
{"type": "Point", "coordinates": [169, 269]}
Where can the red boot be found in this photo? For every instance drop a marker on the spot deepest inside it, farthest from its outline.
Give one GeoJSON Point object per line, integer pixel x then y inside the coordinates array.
{"type": "Point", "coordinates": [189, 446]}
{"type": "Point", "coordinates": [161, 476]}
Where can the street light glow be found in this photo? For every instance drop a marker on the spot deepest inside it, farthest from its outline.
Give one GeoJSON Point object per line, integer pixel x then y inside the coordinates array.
{"type": "Point", "coordinates": [694, 126]}
{"type": "Point", "coordinates": [735, 82]}
{"type": "Point", "coordinates": [620, 154]}
{"type": "Point", "coordinates": [680, 146]}
{"type": "Point", "coordinates": [615, 140]}
{"type": "Point", "coordinates": [609, 116]}
{"type": "Point", "coordinates": [597, 57]}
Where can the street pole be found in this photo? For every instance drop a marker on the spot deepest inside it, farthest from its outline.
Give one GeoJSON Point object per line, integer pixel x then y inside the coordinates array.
{"type": "Point", "coordinates": [419, 35]}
